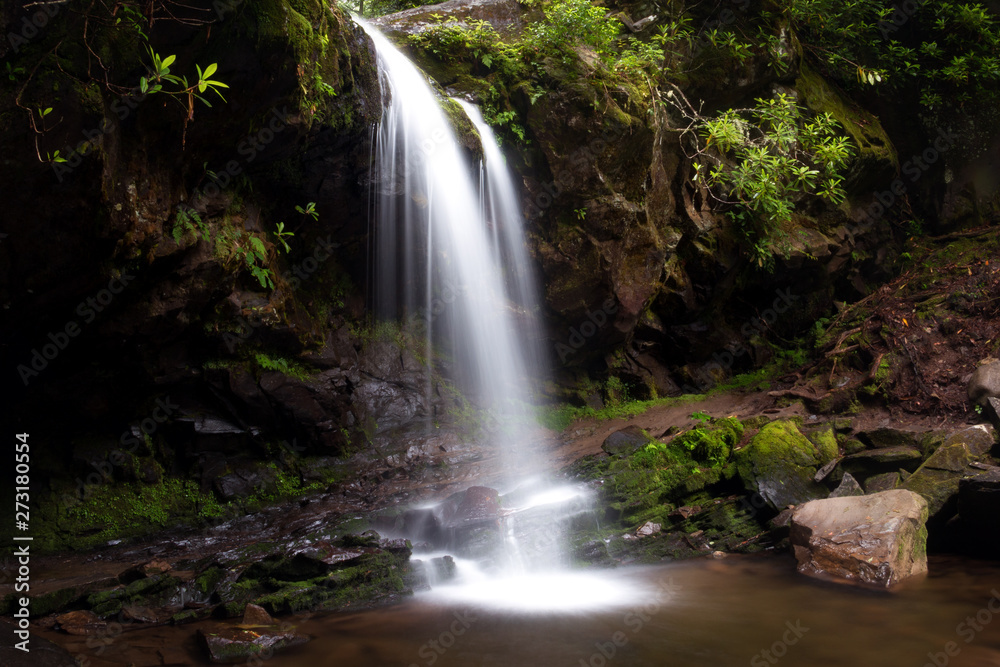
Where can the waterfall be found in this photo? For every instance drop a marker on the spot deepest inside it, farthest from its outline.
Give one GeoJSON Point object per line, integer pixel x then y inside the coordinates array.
{"type": "Point", "coordinates": [449, 253]}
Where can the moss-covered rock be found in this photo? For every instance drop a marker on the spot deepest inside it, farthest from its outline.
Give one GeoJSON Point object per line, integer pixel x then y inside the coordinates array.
{"type": "Point", "coordinates": [47, 603]}
{"type": "Point", "coordinates": [779, 464]}
{"type": "Point", "coordinates": [233, 645]}
{"type": "Point", "coordinates": [712, 443]}
{"type": "Point", "coordinates": [825, 441]}
{"type": "Point", "coordinates": [876, 160]}
{"type": "Point", "coordinates": [937, 480]}
{"type": "Point", "coordinates": [626, 441]}
{"type": "Point", "coordinates": [644, 483]}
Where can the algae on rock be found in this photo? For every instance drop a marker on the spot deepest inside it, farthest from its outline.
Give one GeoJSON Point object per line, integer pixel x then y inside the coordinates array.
{"type": "Point", "coordinates": [779, 464]}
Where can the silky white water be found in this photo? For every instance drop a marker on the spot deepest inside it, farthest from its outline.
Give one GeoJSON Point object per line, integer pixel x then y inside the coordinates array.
{"type": "Point", "coordinates": [450, 258]}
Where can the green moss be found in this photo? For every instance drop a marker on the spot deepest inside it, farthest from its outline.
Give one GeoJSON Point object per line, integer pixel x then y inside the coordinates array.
{"type": "Point", "coordinates": [882, 378]}
{"type": "Point", "coordinates": [826, 443]}
{"type": "Point", "coordinates": [876, 154]}
{"type": "Point", "coordinates": [109, 608]}
{"type": "Point", "coordinates": [559, 417]}
{"type": "Point", "coordinates": [643, 486]}
{"type": "Point", "coordinates": [712, 443]}
{"type": "Point", "coordinates": [779, 464]}
{"type": "Point", "coordinates": [47, 603]}
{"type": "Point", "coordinates": [186, 616]}
{"type": "Point", "coordinates": [116, 511]}
{"type": "Point", "coordinates": [464, 130]}
{"type": "Point", "coordinates": [373, 577]}
{"type": "Point", "coordinates": [208, 580]}
{"type": "Point", "coordinates": [103, 597]}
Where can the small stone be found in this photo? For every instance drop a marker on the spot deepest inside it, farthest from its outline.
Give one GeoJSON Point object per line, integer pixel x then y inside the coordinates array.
{"type": "Point", "coordinates": [825, 471]}
{"type": "Point", "coordinates": [256, 615]}
{"type": "Point", "coordinates": [718, 555]}
{"type": "Point", "coordinates": [230, 645]}
{"type": "Point", "coordinates": [626, 441]}
{"type": "Point", "coordinates": [848, 487]}
{"type": "Point", "coordinates": [155, 567]}
{"type": "Point", "coordinates": [984, 383]}
{"type": "Point", "coordinates": [83, 623]}
{"type": "Point", "coordinates": [648, 528]}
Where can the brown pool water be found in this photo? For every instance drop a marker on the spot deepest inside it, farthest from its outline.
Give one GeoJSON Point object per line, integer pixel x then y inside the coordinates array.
{"type": "Point", "coordinates": [752, 611]}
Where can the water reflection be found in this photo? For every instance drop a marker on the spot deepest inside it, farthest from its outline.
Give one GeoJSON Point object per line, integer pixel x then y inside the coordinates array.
{"type": "Point", "coordinates": [736, 611]}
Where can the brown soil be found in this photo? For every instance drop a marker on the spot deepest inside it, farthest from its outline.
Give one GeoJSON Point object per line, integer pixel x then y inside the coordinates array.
{"type": "Point", "coordinates": [911, 345]}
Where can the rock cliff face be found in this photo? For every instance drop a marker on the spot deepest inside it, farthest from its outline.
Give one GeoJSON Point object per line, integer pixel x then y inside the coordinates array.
{"type": "Point", "coordinates": [643, 278]}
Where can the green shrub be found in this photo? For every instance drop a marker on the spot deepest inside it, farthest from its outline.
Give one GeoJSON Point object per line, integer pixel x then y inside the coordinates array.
{"type": "Point", "coordinates": [761, 162]}
{"type": "Point", "coordinates": [945, 50]}
{"type": "Point", "coordinates": [570, 23]}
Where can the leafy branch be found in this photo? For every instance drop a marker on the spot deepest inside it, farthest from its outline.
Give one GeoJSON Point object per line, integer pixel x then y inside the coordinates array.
{"type": "Point", "coordinates": [758, 164]}
{"type": "Point", "coordinates": [159, 77]}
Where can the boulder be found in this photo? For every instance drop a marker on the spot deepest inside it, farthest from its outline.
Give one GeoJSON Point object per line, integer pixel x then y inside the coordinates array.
{"type": "Point", "coordinates": [898, 455]}
{"type": "Point", "coordinates": [937, 479]}
{"type": "Point", "coordinates": [625, 441]}
{"type": "Point", "coordinates": [979, 511]}
{"type": "Point", "coordinates": [884, 482]}
{"type": "Point", "coordinates": [885, 437]}
{"type": "Point", "coordinates": [879, 539]}
{"type": "Point", "coordinates": [480, 503]}
{"type": "Point", "coordinates": [984, 383]}
{"type": "Point", "coordinates": [780, 464]}
{"type": "Point", "coordinates": [992, 410]}
{"type": "Point", "coordinates": [979, 438]}
{"type": "Point", "coordinates": [43, 653]}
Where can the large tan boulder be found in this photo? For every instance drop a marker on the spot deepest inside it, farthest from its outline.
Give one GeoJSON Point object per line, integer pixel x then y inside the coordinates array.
{"type": "Point", "coordinates": [879, 539]}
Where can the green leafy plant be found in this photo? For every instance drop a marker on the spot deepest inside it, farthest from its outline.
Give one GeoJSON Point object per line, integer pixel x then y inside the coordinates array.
{"type": "Point", "coordinates": [310, 210]}
{"type": "Point", "coordinates": [570, 23]}
{"type": "Point", "coordinates": [160, 80]}
{"type": "Point", "coordinates": [187, 220]}
{"type": "Point", "coordinates": [254, 256]}
{"type": "Point", "coordinates": [639, 56]}
{"type": "Point", "coordinates": [760, 163]}
{"type": "Point", "coordinates": [269, 362]}
{"type": "Point", "coordinates": [248, 251]}
{"type": "Point", "coordinates": [131, 17]}
{"type": "Point", "coordinates": [282, 235]}
{"type": "Point", "coordinates": [14, 72]}
{"type": "Point", "coordinates": [945, 50]}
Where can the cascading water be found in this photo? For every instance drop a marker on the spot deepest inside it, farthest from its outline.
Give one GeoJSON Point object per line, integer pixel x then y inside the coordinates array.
{"type": "Point", "coordinates": [437, 230]}
{"type": "Point", "coordinates": [503, 216]}
{"type": "Point", "coordinates": [436, 260]}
